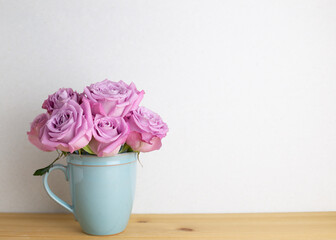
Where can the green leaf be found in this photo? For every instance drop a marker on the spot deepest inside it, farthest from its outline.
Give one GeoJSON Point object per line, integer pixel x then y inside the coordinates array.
{"type": "Point", "coordinates": [130, 149]}
{"type": "Point", "coordinates": [88, 149]}
{"type": "Point", "coordinates": [42, 171]}
{"type": "Point", "coordinates": [122, 149]}
{"type": "Point", "coordinates": [125, 148]}
{"type": "Point", "coordinates": [64, 153]}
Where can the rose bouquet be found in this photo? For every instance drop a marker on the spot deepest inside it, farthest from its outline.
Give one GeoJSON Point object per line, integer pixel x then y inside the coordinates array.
{"type": "Point", "coordinates": [104, 120]}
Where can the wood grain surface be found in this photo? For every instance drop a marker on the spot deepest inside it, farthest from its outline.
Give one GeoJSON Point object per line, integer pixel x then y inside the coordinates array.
{"type": "Point", "coordinates": [249, 226]}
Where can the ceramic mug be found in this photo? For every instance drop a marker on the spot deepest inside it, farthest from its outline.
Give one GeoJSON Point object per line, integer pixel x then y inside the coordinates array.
{"type": "Point", "coordinates": [102, 191]}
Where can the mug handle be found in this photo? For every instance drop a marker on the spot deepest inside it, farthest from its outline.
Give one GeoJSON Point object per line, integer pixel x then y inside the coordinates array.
{"type": "Point", "coordinates": [51, 194]}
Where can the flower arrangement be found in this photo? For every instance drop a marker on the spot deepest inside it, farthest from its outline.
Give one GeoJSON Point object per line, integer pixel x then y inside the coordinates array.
{"type": "Point", "coordinates": [104, 120]}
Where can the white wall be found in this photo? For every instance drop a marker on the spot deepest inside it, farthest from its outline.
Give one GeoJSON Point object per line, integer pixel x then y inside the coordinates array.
{"type": "Point", "coordinates": [246, 87]}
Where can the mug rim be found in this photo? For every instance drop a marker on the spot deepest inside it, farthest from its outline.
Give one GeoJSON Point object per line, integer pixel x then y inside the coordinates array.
{"type": "Point", "coordinates": [91, 155]}
{"type": "Point", "coordinates": [95, 161]}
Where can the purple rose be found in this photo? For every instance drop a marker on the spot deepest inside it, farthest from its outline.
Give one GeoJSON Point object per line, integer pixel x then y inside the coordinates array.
{"type": "Point", "coordinates": [36, 130]}
{"type": "Point", "coordinates": [57, 99]}
{"type": "Point", "coordinates": [109, 134]}
{"type": "Point", "coordinates": [146, 130]}
{"type": "Point", "coordinates": [114, 99]}
{"type": "Point", "coordinates": [69, 127]}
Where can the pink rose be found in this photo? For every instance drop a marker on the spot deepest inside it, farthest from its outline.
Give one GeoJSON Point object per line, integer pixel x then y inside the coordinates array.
{"type": "Point", "coordinates": [109, 134]}
{"type": "Point", "coordinates": [146, 130]}
{"type": "Point", "coordinates": [57, 99]}
{"type": "Point", "coordinates": [36, 130]}
{"type": "Point", "coordinates": [69, 127]}
{"type": "Point", "coordinates": [114, 99]}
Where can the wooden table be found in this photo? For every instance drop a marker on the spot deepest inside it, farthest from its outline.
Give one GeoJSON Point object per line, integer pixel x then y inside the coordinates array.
{"type": "Point", "coordinates": [268, 226]}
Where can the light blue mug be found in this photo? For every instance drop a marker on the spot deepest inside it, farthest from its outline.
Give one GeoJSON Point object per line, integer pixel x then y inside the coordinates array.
{"type": "Point", "coordinates": [102, 190]}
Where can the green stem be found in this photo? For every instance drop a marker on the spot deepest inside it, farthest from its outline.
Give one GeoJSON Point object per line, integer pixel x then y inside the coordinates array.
{"type": "Point", "coordinates": [42, 171]}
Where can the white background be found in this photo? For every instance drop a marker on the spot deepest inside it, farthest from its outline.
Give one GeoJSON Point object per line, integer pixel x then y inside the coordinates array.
{"type": "Point", "coordinates": [248, 89]}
